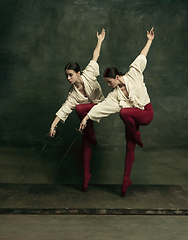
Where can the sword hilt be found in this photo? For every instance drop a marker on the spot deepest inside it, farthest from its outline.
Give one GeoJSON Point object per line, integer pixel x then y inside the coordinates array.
{"type": "Point", "coordinates": [79, 131]}
{"type": "Point", "coordinates": [56, 133]}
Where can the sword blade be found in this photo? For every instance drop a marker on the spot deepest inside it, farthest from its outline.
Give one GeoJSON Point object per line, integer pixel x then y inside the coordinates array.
{"type": "Point", "coordinates": [78, 133]}
{"type": "Point", "coordinates": [61, 161]}
{"type": "Point", "coordinates": [33, 163]}
{"type": "Point", "coordinates": [65, 154]}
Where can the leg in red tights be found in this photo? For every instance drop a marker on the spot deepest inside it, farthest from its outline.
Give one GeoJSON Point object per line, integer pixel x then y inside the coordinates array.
{"type": "Point", "coordinates": [87, 152]}
{"type": "Point", "coordinates": [129, 159]}
{"type": "Point", "coordinates": [87, 139]}
{"type": "Point", "coordinates": [133, 116]}
{"type": "Point", "coordinates": [89, 132]}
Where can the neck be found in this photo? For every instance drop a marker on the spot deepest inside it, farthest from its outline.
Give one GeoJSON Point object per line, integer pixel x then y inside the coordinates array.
{"type": "Point", "coordinates": [79, 82]}
{"type": "Point", "coordinates": [121, 81]}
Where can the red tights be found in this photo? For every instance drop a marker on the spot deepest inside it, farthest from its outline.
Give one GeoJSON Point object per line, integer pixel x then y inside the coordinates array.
{"type": "Point", "coordinates": [88, 138]}
{"type": "Point", "coordinates": [133, 118]}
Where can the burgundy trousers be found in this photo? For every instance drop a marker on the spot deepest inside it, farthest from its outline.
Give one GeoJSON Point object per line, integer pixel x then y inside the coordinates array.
{"type": "Point", "coordinates": [133, 118]}
{"type": "Point", "coordinates": [88, 138]}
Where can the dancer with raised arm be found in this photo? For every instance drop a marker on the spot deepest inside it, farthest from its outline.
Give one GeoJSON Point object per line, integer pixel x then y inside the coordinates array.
{"type": "Point", "coordinates": [84, 93]}
{"type": "Point", "coordinates": [130, 98]}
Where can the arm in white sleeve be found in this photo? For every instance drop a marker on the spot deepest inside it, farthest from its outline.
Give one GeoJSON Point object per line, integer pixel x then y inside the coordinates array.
{"type": "Point", "coordinates": [96, 52]}
{"type": "Point", "coordinates": [91, 71]}
{"type": "Point", "coordinates": [139, 63]}
{"type": "Point", "coordinates": [135, 73]}
{"type": "Point", "coordinates": [104, 109]}
{"type": "Point", "coordinates": [150, 36]}
{"type": "Point", "coordinates": [67, 108]}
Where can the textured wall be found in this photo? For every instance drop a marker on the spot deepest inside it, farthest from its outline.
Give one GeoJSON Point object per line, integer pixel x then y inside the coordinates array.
{"type": "Point", "coordinates": [38, 38]}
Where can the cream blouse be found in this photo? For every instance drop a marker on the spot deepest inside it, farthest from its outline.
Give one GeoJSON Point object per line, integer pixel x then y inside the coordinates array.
{"type": "Point", "coordinates": [138, 96]}
{"type": "Point", "coordinates": [92, 88]}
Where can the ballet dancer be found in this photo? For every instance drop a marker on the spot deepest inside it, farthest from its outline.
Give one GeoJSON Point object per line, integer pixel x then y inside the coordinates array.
{"type": "Point", "coordinates": [130, 98]}
{"type": "Point", "coordinates": [85, 92]}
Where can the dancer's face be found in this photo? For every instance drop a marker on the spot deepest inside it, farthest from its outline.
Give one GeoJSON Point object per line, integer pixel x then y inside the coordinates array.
{"type": "Point", "coordinates": [72, 76]}
{"type": "Point", "coordinates": [112, 82]}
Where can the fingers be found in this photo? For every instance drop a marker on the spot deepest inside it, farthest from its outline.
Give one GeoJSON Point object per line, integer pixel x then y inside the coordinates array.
{"type": "Point", "coordinates": [151, 31]}
{"type": "Point", "coordinates": [102, 33]}
{"type": "Point", "coordinates": [82, 126]}
{"type": "Point", "coordinates": [150, 35]}
{"type": "Point", "coordinates": [52, 132]}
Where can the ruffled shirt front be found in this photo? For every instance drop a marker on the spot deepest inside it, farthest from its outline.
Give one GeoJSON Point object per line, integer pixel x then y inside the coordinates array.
{"type": "Point", "coordinates": [92, 88]}
{"type": "Point", "coordinates": [137, 93]}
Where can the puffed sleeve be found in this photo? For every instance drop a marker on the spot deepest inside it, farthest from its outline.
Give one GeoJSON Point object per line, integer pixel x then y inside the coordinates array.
{"type": "Point", "coordinates": [139, 63]}
{"type": "Point", "coordinates": [67, 107]}
{"type": "Point", "coordinates": [104, 109]}
{"type": "Point", "coordinates": [91, 71]}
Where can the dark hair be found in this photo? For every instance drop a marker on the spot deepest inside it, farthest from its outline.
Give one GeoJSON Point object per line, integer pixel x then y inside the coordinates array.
{"type": "Point", "coordinates": [111, 72]}
{"type": "Point", "coordinates": [73, 66]}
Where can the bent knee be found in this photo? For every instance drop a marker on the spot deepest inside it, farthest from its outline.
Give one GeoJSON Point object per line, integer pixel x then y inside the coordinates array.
{"type": "Point", "coordinates": [123, 113]}
{"type": "Point", "coordinates": [78, 108]}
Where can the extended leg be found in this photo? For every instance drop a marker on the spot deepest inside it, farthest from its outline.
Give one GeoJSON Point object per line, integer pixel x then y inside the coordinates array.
{"type": "Point", "coordinates": [89, 132]}
{"type": "Point", "coordinates": [87, 152]}
{"type": "Point", "coordinates": [129, 159]}
{"type": "Point", "coordinates": [87, 139]}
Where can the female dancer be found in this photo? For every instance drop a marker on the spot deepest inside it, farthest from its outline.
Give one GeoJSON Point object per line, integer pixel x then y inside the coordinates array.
{"type": "Point", "coordinates": [84, 93]}
{"type": "Point", "coordinates": [131, 100]}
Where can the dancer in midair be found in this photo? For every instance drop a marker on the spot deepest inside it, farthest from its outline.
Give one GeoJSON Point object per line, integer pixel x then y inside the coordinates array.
{"type": "Point", "coordinates": [84, 93]}
{"type": "Point", "coordinates": [130, 98]}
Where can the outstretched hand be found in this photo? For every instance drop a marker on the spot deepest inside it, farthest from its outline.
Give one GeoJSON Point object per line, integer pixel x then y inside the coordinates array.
{"type": "Point", "coordinates": [52, 132]}
{"type": "Point", "coordinates": [83, 124]}
{"type": "Point", "coordinates": [150, 35]}
{"type": "Point", "coordinates": [101, 36]}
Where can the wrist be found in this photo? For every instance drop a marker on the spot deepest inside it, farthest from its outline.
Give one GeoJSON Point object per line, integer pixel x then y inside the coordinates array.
{"type": "Point", "coordinates": [87, 117]}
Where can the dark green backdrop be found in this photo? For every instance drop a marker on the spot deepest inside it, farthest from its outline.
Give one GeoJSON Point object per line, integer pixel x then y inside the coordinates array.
{"type": "Point", "coordinates": [38, 38]}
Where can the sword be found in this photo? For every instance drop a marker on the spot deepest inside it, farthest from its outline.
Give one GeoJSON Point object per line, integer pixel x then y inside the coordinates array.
{"type": "Point", "coordinates": [35, 160]}
{"type": "Point", "coordinates": [49, 138]}
{"type": "Point", "coordinates": [78, 133]}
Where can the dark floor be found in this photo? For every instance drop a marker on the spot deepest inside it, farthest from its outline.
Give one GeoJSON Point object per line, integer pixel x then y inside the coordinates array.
{"type": "Point", "coordinates": [46, 207]}
{"type": "Point", "coordinates": [100, 199]}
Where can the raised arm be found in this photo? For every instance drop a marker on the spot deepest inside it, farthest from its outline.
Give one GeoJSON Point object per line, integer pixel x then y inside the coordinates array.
{"type": "Point", "coordinates": [150, 36]}
{"type": "Point", "coordinates": [96, 52]}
